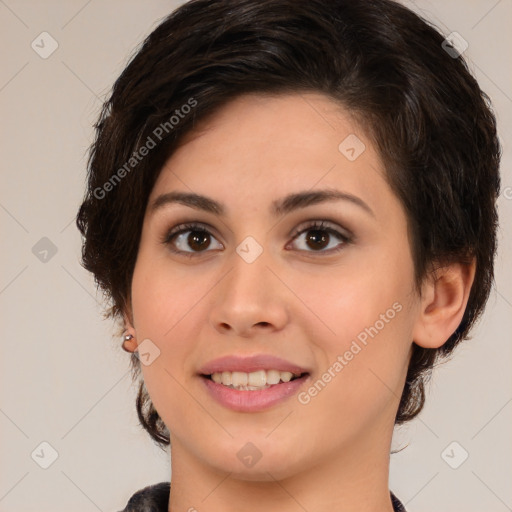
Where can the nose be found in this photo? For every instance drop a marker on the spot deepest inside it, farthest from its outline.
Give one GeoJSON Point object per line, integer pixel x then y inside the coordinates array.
{"type": "Point", "coordinates": [250, 298]}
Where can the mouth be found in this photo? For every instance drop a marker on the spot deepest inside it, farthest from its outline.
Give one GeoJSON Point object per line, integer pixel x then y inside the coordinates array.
{"type": "Point", "coordinates": [253, 381]}
{"type": "Point", "coordinates": [253, 392]}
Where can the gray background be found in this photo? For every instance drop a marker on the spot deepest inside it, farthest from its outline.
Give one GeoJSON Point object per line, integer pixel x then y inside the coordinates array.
{"type": "Point", "coordinates": [64, 379]}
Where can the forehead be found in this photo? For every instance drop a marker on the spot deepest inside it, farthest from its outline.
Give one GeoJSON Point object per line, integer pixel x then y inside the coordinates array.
{"type": "Point", "coordinates": [259, 147]}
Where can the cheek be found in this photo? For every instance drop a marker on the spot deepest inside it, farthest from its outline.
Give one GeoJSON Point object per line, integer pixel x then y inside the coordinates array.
{"type": "Point", "coordinates": [359, 387]}
{"type": "Point", "coordinates": [362, 338]}
{"type": "Point", "coordinates": [160, 304]}
{"type": "Point", "coordinates": [162, 296]}
{"type": "Point", "coordinates": [346, 301]}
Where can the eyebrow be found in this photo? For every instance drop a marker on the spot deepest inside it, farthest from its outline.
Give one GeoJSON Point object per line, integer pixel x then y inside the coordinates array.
{"type": "Point", "coordinates": [278, 207]}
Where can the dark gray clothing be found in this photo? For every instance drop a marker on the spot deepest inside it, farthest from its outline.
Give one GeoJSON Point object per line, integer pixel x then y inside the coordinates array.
{"type": "Point", "coordinates": [155, 498]}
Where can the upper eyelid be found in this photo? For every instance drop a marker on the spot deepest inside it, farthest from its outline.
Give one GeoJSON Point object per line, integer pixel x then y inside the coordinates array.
{"type": "Point", "coordinates": [322, 224]}
{"type": "Point", "coordinates": [183, 227]}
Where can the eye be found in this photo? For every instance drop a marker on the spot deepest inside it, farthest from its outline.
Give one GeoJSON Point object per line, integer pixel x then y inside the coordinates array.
{"type": "Point", "coordinates": [319, 235]}
{"type": "Point", "coordinates": [197, 239]}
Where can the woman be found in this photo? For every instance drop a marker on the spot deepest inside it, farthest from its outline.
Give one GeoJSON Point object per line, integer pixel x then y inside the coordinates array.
{"type": "Point", "coordinates": [292, 206]}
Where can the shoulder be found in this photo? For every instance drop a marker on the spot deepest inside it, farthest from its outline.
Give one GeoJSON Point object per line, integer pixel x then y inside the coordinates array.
{"type": "Point", "coordinates": [152, 498]}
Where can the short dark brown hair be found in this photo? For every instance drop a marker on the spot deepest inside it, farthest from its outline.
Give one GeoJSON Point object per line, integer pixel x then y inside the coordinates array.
{"type": "Point", "coordinates": [417, 102]}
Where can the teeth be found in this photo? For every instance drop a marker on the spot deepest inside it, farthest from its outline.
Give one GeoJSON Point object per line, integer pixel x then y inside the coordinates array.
{"type": "Point", "coordinates": [260, 379]}
{"type": "Point", "coordinates": [238, 379]}
{"type": "Point", "coordinates": [273, 376]}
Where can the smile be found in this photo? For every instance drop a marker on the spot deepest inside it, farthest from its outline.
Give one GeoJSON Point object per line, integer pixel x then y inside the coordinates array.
{"type": "Point", "coordinates": [236, 390]}
{"type": "Point", "coordinates": [252, 381]}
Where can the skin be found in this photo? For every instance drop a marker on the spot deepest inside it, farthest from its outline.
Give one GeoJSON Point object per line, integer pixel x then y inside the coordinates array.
{"type": "Point", "coordinates": [297, 300]}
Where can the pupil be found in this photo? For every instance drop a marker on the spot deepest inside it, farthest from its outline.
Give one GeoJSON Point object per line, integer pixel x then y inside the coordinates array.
{"type": "Point", "coordinates": [196, 239]}
{"type": "Point", "coordinates": [318, 235]}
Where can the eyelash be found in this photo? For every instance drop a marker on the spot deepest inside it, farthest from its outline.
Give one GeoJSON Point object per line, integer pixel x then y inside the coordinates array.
{"type": "Point", "coordinates": [199, 228]}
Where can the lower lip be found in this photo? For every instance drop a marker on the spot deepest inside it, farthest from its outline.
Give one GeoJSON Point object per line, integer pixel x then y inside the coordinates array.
{"type": "Point", "coordinates": [253, 401]}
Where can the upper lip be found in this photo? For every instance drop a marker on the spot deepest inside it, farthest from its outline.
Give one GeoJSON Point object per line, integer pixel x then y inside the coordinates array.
{"type": "Point", "coordinates": [233, 363]}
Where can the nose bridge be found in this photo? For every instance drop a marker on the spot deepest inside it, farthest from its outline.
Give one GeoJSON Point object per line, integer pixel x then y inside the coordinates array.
{"type": "Point", "coordinates": [247, 294]}
{"type": "Point", "coordinates": [250, 261]}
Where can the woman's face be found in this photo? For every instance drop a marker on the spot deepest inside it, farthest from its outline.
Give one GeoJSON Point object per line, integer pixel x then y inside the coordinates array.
{"type": "Point", "coordinates": [337, 301]}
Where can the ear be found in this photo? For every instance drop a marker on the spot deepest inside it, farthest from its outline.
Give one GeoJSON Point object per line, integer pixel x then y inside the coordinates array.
{"type": "Point", "coordinates": [444, 298]}
{"type": "Point", "coordinates": [129, 345]}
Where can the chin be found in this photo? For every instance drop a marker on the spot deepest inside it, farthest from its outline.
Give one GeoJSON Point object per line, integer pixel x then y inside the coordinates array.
{"type": "Point", "coordinates": [260, 472]}
{"type": "Point", "coordinates": [251, 464]}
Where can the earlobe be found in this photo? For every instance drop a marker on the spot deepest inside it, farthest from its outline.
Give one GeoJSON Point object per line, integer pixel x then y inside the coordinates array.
{"type": "Point", "coordinates": [444, 298]}
{"type": "Point", "coordinates": [129, 343]}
